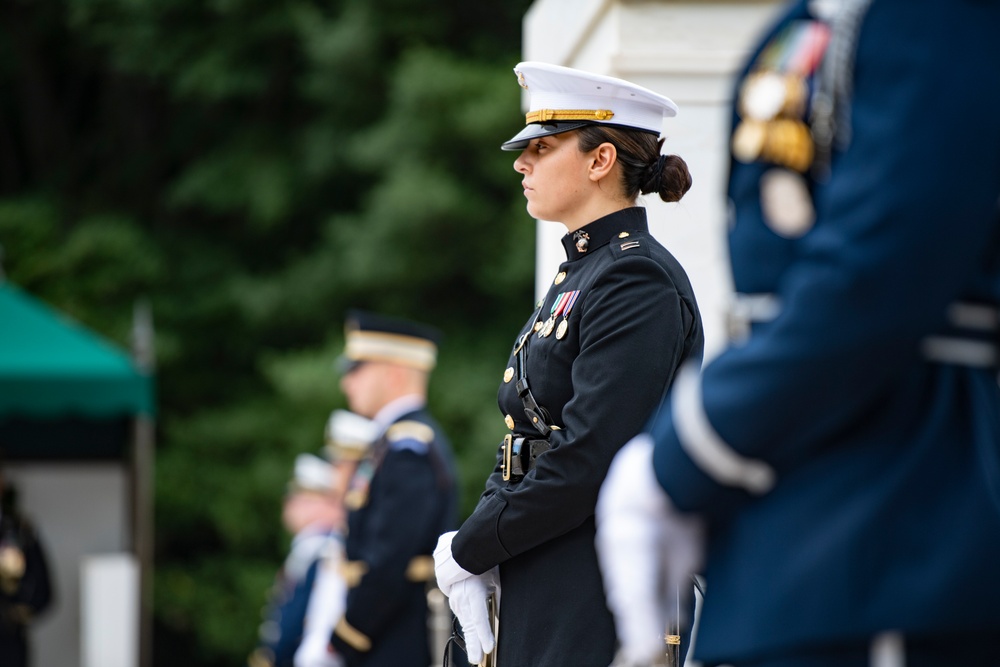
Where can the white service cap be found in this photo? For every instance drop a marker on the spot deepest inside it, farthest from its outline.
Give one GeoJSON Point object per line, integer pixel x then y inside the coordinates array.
{"type": "Point", "coordinates": [563, 99]}
{"type": "Point", "coordinates": [312, 474]}
{"type": "Point", "coordinates": [348, 435]}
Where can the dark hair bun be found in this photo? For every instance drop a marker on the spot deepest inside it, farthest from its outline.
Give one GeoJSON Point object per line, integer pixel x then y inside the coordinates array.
{"type": "Point", "coordinates": [669, 177]}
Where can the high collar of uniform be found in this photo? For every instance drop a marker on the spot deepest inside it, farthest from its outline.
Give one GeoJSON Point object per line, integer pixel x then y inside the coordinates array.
{"type": "Point", "coordinates": [600, 232]}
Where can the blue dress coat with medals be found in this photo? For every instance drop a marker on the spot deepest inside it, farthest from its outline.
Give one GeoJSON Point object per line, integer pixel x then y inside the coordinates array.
{"type": "Point", "coordinates": [846, 447]}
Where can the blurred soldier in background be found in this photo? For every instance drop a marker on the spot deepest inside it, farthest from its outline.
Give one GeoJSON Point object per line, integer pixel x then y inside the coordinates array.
{"type": "Point", "coordinates": [315, 518]}
{"type": "Point", "coordinates": [401, 497]}
{"type": "Point", "coordinates": [25, 589]}
{"type": "Point", "coordinates": [843, 455]}
{"type": "Point", "coordinates": [348, 437]}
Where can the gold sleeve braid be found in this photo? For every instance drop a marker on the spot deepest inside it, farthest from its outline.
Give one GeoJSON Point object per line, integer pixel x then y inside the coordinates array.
{"type": "Point", "coordinates": [353, 637]}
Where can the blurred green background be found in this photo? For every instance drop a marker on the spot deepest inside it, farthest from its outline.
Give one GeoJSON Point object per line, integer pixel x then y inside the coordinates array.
{"type": "Point", "coordinates": [252, 169]}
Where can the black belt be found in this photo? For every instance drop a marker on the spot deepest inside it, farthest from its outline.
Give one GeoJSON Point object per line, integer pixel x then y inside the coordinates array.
{"type": "Point", "coordinates": [518, 456]}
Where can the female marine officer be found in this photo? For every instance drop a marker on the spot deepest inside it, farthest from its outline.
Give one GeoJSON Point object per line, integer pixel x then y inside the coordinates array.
{"type": "Point", "coordinates": [585, 373]}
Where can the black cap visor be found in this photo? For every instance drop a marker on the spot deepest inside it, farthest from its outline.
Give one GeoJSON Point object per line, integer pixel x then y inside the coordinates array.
{"type": "Point", "coordinates": [521, 140]}
{"type": "Point", "coordinates": [342, 365]}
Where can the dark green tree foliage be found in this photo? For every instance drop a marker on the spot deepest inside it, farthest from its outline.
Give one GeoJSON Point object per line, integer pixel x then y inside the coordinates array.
{"type": "Point", "coordinates": [254, 169]}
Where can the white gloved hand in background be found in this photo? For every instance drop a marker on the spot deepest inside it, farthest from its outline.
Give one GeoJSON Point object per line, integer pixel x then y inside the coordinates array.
{"type": "Point", "coordinates": [647, 551]}
{"type": "Point", "coordinates": [316, 654]}
{"type": "Point", "coordinates": [326, 606]}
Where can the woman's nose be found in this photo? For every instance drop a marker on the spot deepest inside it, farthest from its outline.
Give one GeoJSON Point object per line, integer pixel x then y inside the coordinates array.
{"type": "Point", "coordinates": [521, 164]}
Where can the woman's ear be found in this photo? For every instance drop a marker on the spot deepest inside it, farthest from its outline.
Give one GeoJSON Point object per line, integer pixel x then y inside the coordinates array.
{"type": "Point", "coordinates": [603, 159]}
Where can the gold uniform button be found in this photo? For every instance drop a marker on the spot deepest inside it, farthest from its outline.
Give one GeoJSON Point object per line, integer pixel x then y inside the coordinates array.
{"type": "Point", "coordinates": [508, 375]}
{"type": "Point", "coordinates": [561, 276]}
{"type": "Point", "coordinates": [509, 421]}
{"type": "Point", "coordinates": [538, 325]}
{"type": "Point", "coordinates": [623, 235]}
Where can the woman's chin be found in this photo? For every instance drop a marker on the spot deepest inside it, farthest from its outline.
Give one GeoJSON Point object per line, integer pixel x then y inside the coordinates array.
{"type": "Point", "coordinates": [534, 211]}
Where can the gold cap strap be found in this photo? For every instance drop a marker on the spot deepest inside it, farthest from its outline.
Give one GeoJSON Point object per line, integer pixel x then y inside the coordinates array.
{"type": "Point", "coordinates": [545, 115]}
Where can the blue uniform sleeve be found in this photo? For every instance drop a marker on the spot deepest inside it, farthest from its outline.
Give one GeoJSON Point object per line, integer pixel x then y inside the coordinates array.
{"type": "Point", "coordinates": [291, 619]}
{"type": "Point", "coordinates": [906, 222]}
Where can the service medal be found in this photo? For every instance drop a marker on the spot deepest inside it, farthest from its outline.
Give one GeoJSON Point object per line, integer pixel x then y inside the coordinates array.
{"type": "Point", "coordinates": [786, 203]}
{"type": "Point", "coordinates": [749, 140]}
{"type": "Point", "coordinates": [563, 307]}
{"type": "Point", "coordinates": [547, 329]}
{"type": "Point", "coordinates": [790, 145]}
{"type": "Point", "coordinates": [763, 95]}
{"type": "Point", "coordinates": [774, 97]}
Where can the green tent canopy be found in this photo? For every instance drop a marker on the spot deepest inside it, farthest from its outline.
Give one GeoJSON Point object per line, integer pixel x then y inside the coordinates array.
{"type": "Point", "coordinates": [59, 379]}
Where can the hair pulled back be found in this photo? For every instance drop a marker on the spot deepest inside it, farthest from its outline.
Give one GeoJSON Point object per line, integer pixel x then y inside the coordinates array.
{"type": "Point", "coordinates": [643, 170]}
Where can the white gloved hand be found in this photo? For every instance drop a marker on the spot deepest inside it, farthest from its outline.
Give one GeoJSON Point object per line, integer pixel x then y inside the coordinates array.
{"type": "Point", "coordinates": [314, 653]}
{"type": "Point", "coordinates": [326, 605]}
{"type": "Point", "coordinates": [647, 551]}
{"type": "Point", "coordinates": [446, 570]}
{"type": "Point", "coordinates": [468, 602]}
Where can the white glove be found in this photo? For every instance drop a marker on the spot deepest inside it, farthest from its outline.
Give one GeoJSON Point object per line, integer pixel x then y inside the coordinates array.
{"type": "Point", "coordinates": [468, 602]}
{"type": "Point", "coordinates": [326, 605]}
{"type": "Point", "coordinates": [467, 594]}
{"type": "Point", "coordinates": [446, 570]}
{"type": "Point", "coordinates": [316, 654]}
{"type": "Point", "coordinates": [647, 551]}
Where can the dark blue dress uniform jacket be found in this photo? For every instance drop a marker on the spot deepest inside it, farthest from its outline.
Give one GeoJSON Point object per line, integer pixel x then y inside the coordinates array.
{"type": "Point", "coordinates": [633, 324]}
{"type": "Point", "coordinates": [852, 482]}
{"type": "Point", "coordinates": [409, 499]}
